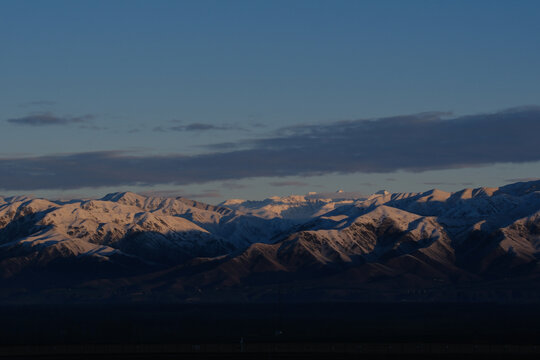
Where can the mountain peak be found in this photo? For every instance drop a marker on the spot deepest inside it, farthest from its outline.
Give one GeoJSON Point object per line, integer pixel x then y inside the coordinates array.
{"type": "Point", "coordinates": [231, 202]}
{"type": "Point", "coordinates": [521, 188]}
{"type": "Point", "coordinates": [127, 198]}
{"type": "Point", "coordinates": [430, 237]}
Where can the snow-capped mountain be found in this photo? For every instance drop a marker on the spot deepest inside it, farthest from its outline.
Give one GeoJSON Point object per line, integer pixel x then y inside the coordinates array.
{"type": "Point", "coordinates": [479, 242]}
{"type": "Point", "coordinates": [297, 208]}
{"type": "Point", "coordinates": [121, 227]}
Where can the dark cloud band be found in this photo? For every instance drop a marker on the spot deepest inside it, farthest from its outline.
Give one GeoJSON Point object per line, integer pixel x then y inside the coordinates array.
{"type": "Point", "coordinates": [48, 119]}
{"type": "Point", "coordinates": [411, 143]}
{"type": "Point", "coordinates": [197, 127]}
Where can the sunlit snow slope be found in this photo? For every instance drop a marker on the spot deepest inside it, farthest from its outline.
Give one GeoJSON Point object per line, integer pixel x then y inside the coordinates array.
{"type": "Point", "coordinates": [472, 244]}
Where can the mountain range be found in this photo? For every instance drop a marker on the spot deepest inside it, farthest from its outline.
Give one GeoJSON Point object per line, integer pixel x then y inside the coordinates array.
{"type": "Point", "coordinates": [478, 244]}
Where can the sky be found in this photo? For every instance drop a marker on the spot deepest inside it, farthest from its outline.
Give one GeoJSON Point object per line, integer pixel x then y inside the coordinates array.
{"type": "Point", "coordinates": [248, 99]}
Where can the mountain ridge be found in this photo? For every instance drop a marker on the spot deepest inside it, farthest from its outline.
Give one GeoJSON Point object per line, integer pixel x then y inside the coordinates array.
{"type": "Point", "coordinates": [431, 243]}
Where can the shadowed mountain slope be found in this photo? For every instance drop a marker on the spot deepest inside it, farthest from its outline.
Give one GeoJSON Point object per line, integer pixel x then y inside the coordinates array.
{"type": "Point", "coordinates": [472, 244]}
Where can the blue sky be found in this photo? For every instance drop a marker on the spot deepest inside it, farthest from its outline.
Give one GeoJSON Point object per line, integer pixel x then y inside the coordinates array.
{"type": "Point", "coordinates": [156, 80]}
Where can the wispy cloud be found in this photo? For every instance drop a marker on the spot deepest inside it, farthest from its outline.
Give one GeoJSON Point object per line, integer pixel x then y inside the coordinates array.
{"type": "Point", "coordinates": [288, 183]}
{"type": "Point", "coordinates": [438, 183]}
{"type": "Point", "coordinates": [49, 119]}
{"type": "Point", "coordinates": [367, 184]}
{"type": "Point", "coordinates": [445, 183]}
{"type": "Point", "coordinates": [38, 103]}
{"type": "Point", "coordinates": [409, 143]}
{"type": "Point", "coordinates": [197, 127]}
{"type": "Point", "coordinates": [206, 194]}
{"type": "Point", "coordinates": [522, 179]}
{"type": "Point", "coordinates": [201, 127]}
{"type": "Point", "coordinates": [221, 146]}
{"type": "Point", "coordinates": [233, 186]}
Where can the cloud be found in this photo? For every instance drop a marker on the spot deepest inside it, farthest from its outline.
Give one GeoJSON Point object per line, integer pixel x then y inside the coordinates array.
{"type": "Point", "coordinates": [221, 146]}
{"type": "Point", "coordinates": [437, 183]}
{"type": "Point", "coordinates": [522, 179]}
{"type": "Point", "coordinates": [197, 127]}
{"type": "Point", "coordinates": [444, 183]}
{"type": "Point", "coordinates": [92, 127]}
{"type": "Point", "coordinates": [412, 143]}
{"type": "Point", "coordinates": [159, 129]}
{"type": "Point", "coordinates": [49, 119]}
{"type": "Point", "coordinates": [38, 103]}
{"type": "Point", "coordinates": [288, 183]}
{"type": "Point", "coordinates": [205, 194]}
{"type": "Point", "coordinates": [367, 184]}
{"type": "Point", "coordinates": [233, 186]}
{"type": "Point", "coordinates": [258, 125]}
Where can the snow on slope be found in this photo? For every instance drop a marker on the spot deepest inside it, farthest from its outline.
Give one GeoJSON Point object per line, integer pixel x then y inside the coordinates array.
{"type": "Point", "coordinates": [297, 208]}
{"type": "Point", "coordinates": [100, 229]}
{"type": "Point", "coordinates": [432, 237]}
{"type": "Point", "coordinates": [433, 229]}
{"type": "Point", "coordinates": [382, 232]}
{"type": "Point", "coordinates": [232, 226]}
{"type": "Point", "coordinates": [527, 228]}
{"type": "Point", "coordinates": [385, 238]}
{"type": "Point", "coordinates": [154, 230]}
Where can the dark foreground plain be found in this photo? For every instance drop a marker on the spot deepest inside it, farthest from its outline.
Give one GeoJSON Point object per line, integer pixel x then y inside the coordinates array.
{"type": "Point", "coordinates": [307, 330]}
